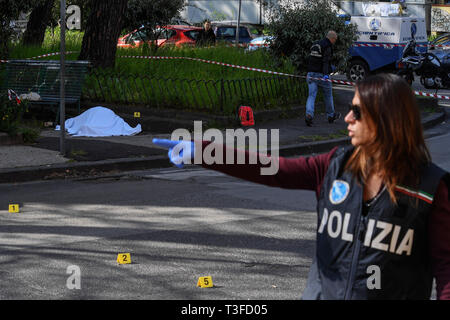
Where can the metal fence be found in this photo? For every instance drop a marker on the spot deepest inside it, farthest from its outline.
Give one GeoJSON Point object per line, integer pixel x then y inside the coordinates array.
{"type": "Point", "coordinates": [217, 96]}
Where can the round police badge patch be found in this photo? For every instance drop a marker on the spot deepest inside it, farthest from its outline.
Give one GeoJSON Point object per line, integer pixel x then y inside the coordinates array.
{"type": "Point", "coordinates": [339, 191]}
{"type": "Point", "coordinates": [375, 24]}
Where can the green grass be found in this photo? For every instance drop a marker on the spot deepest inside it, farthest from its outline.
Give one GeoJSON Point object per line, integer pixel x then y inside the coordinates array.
{"type": "Point", "coordinates": [163, 68]}
{"type": "Point", "coordinates": [195, 69]}
{"type": "Point", "coordinates": [78, 153]}
{"type": "Point", "coordinates": [51, 45]}
{"type": "Point", "coordinates": [182, 83]}
{"type": "Point", "coordinates": [157, 83]}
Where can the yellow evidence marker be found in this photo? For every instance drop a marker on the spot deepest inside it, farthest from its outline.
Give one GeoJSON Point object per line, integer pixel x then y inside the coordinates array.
{"type": "Point", "coordinates": [13, 208]}
{"type": "Point", "coordinates": [124, 258]}
{"type": "Point", "coordinates": [205, 282]}
{"type": "Point", "coordinates": [137, 114]}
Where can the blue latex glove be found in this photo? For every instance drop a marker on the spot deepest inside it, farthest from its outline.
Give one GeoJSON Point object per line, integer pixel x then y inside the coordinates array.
{"type": "Point", "coordinates": [326, 77]}
{"type": "Point", "coordinates": [180, 152]}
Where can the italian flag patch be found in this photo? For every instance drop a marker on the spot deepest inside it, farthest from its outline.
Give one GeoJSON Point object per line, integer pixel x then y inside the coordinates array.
{"type": "Point", "coordinates": [422, 195]}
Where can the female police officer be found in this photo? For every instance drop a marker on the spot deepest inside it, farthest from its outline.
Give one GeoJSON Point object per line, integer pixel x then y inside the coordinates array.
{"type": "Point", "coordinates": [382, 204]}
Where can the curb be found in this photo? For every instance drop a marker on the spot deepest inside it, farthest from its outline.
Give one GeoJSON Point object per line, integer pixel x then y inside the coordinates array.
{"type": "Point", "coordinates": [73, 170]}
{"type": "Point", "coordinates": [432, 121]}
{"type": "Point", "coordinates": [6, 140]}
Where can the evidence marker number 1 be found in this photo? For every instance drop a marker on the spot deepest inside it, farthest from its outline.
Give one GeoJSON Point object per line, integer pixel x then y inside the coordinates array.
{"type": "Point", "coordinates": [13, 208]}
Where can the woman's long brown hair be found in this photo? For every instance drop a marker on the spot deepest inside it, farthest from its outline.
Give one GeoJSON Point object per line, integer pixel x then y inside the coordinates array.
{"type": "Point", "coordinates": [389, 107]}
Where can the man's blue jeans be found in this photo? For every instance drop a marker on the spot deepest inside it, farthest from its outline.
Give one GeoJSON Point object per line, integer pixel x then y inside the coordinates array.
{"type": "Point", "coordinates": [313, 86]}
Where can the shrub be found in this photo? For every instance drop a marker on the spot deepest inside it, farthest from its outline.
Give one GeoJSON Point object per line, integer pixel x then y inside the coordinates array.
{"type": "Point", "coordinates": [10, 115]}
{"type": "Point", "coordinates": [295, 28]}
{"type": "Point", "coordinates": [29, 135]}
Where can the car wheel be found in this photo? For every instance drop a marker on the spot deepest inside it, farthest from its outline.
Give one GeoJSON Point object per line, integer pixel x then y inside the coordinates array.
{"type": "Point", "coordinates": [358, 70]}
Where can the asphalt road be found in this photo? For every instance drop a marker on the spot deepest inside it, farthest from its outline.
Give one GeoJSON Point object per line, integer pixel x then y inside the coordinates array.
{"type": "Point", "coordinates": [178, 225]}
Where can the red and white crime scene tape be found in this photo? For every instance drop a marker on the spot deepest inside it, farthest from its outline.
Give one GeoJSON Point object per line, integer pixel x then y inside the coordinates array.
{"type": "Point", "coordinates": [13, 95]}
{"type": "Point", "coordinates": [426, 94]}
{"type": "Point", "coordinates": [398, 45]}
{"type": "Point", "coordinates": [269, 72]}
{"type": "Point", "coordinates": [51, 54]}
{"type": "Point", "coordinates": [370, 45]}
{"type": "Point", "coordinates": [245, 45]}
{"type": "Point", "coordinates": [211, 62]}
{"type": "Point", "coordinates": [43, 56]}
{"type": "Point", "coordinates": [239, 67]}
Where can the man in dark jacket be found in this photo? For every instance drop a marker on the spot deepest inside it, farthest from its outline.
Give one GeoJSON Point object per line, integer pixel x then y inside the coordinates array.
{"type": "Point", "coordinates": [319, 68]}
{"type": "Point", "coordinates": [206, 37]}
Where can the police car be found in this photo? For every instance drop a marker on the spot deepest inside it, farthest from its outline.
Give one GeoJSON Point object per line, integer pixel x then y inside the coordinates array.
{"type": "Point", "coordinates": [381, 41]}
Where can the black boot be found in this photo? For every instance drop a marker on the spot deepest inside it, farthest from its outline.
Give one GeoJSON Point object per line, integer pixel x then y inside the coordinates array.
{"type": "Point", "coordinates": [308, 120]}
{"type": "Point", "coordinates": [336, 116]}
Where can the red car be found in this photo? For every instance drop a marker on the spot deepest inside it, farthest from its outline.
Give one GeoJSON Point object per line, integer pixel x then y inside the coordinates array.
{"type": "Point", "coordinates": [177, 35]}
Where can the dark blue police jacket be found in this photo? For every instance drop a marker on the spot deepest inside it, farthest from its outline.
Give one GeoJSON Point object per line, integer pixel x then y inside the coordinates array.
{"type": "Point", "coordinates": [381, 255]}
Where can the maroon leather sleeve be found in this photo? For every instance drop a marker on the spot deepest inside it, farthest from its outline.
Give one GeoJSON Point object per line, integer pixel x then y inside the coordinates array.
{"type": "Point", "coordinates": [293, 173]}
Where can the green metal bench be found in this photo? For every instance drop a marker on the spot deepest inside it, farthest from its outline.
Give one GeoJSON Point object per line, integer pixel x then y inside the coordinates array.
{"type": "Point", "coordinates": [43, 78]}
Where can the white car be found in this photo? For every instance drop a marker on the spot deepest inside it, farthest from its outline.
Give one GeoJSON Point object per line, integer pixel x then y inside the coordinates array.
{"type": "Point", "coordinates": [260, 42]}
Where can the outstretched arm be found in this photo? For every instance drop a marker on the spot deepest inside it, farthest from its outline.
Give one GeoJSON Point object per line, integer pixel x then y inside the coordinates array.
{"type": "Point", "coordinates": [293, 173]}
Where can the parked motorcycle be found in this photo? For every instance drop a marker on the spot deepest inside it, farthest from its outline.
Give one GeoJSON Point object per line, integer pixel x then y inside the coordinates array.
{"type": "Point", "coordinates": [433, 73]}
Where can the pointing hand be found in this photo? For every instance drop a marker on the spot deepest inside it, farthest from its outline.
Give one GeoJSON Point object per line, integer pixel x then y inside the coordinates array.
{"type": "Point", "coordinates": [180, 152]}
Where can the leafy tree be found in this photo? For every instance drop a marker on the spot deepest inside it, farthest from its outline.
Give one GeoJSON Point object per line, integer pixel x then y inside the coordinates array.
{"type": "Point", "coordinates": [151, 12]}
{"type": "Point", "coordinates": [9, 11]}
{"type": "Point", "coordinates": [46, 13]}
{"type": "Point", "coordinates": [297, 26]}
{"type": "Point", "coordinates": [109, 17]}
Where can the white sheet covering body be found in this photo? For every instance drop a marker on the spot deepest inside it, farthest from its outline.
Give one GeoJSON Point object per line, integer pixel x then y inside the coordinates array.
{"type": "Point", "coordinates": [99, 122]}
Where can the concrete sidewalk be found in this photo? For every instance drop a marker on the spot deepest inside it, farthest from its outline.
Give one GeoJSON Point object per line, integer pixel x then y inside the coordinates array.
{"type": "Point", "coordinates": [96, 156]}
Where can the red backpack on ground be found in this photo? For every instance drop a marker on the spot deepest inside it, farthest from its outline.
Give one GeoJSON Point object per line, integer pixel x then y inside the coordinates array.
{"type": "Point", "coordinates": [245, 115]}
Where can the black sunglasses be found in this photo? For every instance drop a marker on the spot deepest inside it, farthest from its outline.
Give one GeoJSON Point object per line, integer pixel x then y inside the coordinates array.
{"type": "Point", "coordinates": [356, 111]}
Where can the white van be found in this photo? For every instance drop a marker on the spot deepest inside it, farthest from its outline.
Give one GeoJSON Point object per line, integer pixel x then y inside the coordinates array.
{"type": "Point", "coordinates": [381, 41]}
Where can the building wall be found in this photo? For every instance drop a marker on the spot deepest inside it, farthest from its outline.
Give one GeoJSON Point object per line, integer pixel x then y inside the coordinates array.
{"type": "Point", "coordinates": [418, 8]}
{"type": "Point", "coordinates": [197, 11]}
{"type": "Point", "coordinates": [440, 18]}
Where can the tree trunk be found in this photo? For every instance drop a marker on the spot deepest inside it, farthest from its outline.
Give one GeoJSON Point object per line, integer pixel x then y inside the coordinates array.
{"type": "Point", "coordinates": [5, 34]}
{"type": "Point", "coordinates": [102, 32]}
{"type": "Point", "coordinates": [37, 23]}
